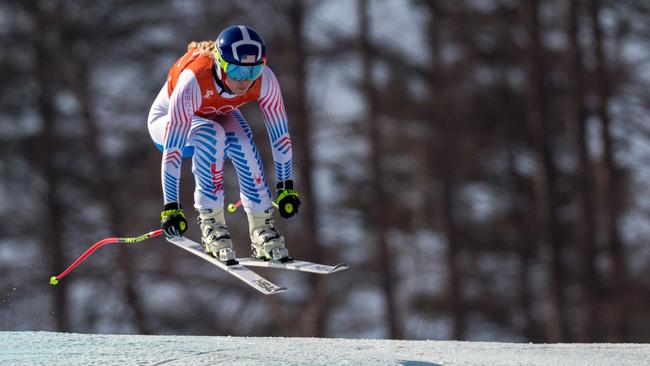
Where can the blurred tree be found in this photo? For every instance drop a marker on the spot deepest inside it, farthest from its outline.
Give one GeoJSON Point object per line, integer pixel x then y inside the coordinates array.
{"type": "Point", "coordinates": [547, 201]}
{"type": "Point", "coordinates": [584, 197]}
{"type": "Point", "coordinates": [443, 143]}
{"type": "Point", "coordinates": [379, 212]}
{"type": "Point", "coordinates": [46, 25]}
{"type": "Point", "coordinates": [611, 189]}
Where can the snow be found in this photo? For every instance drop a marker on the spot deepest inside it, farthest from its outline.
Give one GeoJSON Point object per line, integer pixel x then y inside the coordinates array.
{"type": "Point", "coordinates": [47, 348]}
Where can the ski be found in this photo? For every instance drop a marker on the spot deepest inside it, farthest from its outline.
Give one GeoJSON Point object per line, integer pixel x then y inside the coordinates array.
{"type": "Point", "coordinates": [238, 270]}
{"type": "Point", "coordinates": [294, 265]}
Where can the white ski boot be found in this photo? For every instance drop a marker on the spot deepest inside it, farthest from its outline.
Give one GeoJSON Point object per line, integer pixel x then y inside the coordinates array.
{"type": "Point", "coordinates": [266, 243]}
{"type": "Point", "coordinates": [215, 236]}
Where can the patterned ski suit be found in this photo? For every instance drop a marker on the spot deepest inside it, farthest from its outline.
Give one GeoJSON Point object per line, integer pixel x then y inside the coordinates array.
{"type": "Point", "coordinates": [193, 116]}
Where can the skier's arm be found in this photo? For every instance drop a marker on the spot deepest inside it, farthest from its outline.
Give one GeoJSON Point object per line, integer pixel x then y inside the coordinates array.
{"type": "Point", "coordinates": [184, 101]}
{"type": "Point", "coordinates": [275, 119]}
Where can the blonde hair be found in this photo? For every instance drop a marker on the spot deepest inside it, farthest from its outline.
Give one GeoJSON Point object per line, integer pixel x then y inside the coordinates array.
{"type": "Point", "coordinates": [207, 47]}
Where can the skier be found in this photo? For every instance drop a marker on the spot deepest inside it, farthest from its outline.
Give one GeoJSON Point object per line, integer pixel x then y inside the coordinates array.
{"type": "Point", "coordinates": [196, 114]}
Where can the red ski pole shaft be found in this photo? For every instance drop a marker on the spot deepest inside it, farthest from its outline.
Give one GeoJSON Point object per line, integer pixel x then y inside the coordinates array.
{"type": "Point", "coordinates": [55, 279]}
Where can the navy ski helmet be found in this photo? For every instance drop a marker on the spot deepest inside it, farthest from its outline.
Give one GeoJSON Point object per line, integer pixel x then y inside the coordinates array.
{"type": "Point", "coordinates": [241, 52]}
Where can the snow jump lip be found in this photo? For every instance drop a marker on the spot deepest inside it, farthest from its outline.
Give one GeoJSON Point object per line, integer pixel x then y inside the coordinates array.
{"type": "Point", "coordinates": [66, 349]}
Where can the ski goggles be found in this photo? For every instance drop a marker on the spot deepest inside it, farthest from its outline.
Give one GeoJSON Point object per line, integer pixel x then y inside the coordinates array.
{"type": "Point", "coordinates": [240, 72]}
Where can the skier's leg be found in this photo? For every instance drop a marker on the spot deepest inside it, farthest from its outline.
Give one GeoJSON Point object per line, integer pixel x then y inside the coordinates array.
{"type": "Point", "coordinates": [208, 140]}
{"type": "Point", "coordinates": [242, 151]}
{"type": "Point", "coordinates": [255, 194]}
{"type": "Point", "coordinates": [157, 125]}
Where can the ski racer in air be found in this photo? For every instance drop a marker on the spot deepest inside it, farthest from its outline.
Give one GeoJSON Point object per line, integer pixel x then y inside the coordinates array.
{"type": "Point", "coordinates": [196, 114]}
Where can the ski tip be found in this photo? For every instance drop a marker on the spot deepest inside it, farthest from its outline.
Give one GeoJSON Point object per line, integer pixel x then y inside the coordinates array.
{"type": "Point", "coordinates": [340, 267]}
{"type": "Point", "coordinates": [278, 291]}
{"type": "Point", "coordinates": [54, 281]}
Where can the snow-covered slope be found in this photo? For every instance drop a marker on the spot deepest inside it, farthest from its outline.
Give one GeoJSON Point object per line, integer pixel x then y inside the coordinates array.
{"type": "Point", "coordinates": [43, 348]}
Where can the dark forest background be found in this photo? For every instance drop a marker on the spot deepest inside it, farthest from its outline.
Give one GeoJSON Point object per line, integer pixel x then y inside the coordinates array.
{"type": "Point", "coordinates": [482, 165]}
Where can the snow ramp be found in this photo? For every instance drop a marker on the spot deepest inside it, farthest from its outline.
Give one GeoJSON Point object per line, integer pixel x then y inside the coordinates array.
{"type": "Point", "coordinates": [48, 348]}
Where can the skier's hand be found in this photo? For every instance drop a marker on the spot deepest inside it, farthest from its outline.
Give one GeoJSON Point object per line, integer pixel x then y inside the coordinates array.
{"type": "Point", "coordinates": [288, 201]}
{"type": "Point", "coordinates": [173, 220]}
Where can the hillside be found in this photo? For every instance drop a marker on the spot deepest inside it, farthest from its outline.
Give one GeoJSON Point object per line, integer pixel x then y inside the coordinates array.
{"type": "Point", "coordinates": [45, 348]}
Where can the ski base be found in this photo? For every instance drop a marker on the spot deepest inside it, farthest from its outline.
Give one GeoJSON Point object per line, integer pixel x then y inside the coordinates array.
{"type": "Point", "coordinates": [294, 265]}
{"type": "Point", "coordinates": [238, 270]}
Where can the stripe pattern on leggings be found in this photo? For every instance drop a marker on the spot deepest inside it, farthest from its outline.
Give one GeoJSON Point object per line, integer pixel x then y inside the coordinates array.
{"type": "Point", "coordinates": [250, 178]}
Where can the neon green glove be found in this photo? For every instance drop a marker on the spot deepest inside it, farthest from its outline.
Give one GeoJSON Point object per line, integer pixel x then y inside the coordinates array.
{"type": "Point", "coordinates": [173, 220]}
{"type": "Point", "coordinates": [288, 201]}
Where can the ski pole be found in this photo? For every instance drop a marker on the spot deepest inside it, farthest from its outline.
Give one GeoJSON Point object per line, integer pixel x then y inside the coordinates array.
{"type": "Point", "coordinates": [232, 207]}
{"type": "Point", "coordinates": [55, 279]}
